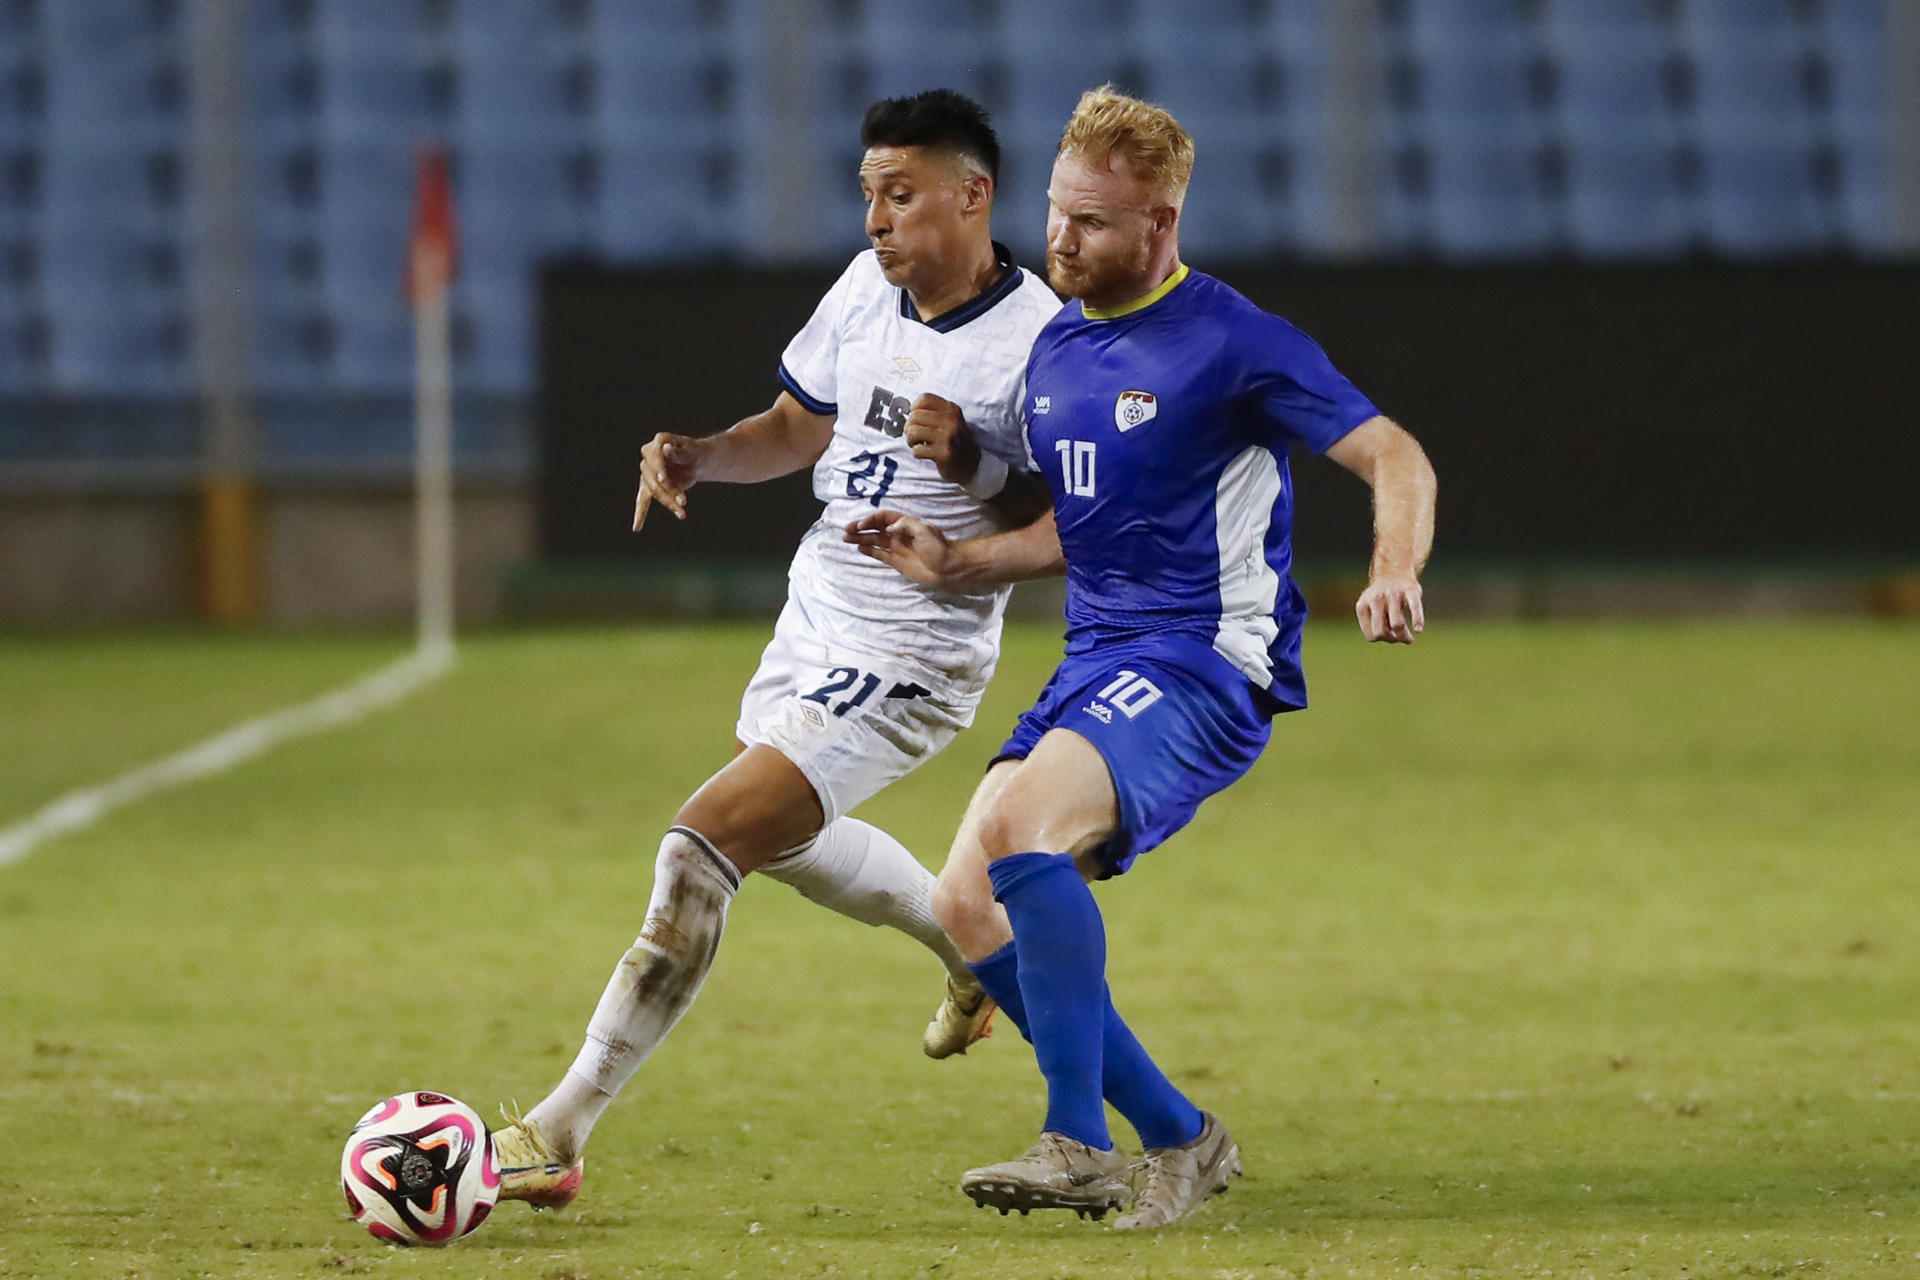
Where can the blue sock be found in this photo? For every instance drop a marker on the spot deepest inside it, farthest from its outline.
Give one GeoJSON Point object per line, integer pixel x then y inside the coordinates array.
{"type": "Point", "coordinates": [1129, 1079]}
{"type": "Point", "coordinates": [1061, 943]}
{"type": "Point", "coordinates": [999, 976]}
{"type": "Point", "coordinates": [1140, 1091]}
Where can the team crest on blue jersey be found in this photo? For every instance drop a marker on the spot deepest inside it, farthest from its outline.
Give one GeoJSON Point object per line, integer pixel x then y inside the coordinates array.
{"type": "Point", "coordinates": [1134, 409]}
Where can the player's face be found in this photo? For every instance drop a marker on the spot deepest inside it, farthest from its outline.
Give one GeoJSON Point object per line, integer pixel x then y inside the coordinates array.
{"type": "Point", "coordinates": [1102, 226]}
{"type": "Point", "coordinates": [919, 208]}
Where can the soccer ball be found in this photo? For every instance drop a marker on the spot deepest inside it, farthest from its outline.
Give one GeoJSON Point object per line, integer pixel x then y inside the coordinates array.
{"type": "Point", "coordinates": [419, 1168]}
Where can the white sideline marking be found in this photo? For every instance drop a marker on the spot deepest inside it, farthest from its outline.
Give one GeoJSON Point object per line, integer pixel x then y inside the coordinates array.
{"type": "Point", "coordinates": [223, 751]}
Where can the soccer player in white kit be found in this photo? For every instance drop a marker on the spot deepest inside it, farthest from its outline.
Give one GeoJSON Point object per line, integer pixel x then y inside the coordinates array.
{"type": "Point", "coordinates": [904, 388]}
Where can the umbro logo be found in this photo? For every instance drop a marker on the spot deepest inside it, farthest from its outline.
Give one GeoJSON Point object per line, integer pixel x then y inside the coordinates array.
{"type": "Point", "coordinates": [909, 367]}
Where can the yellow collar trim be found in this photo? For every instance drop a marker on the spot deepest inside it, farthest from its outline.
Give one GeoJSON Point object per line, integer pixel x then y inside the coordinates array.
{"type": "Point", "coordinates": [1167, 286]}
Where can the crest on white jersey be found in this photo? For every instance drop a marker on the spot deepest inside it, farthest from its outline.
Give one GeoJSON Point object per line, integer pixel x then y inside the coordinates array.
{"type": "Point", "coordinates": [1134, 409]}
{"type": "Point", "coordinates": [909, 367]}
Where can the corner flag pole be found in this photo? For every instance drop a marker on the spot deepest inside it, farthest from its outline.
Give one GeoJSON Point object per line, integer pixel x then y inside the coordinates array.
{"type": "Point", "coordinates": [431, 256]}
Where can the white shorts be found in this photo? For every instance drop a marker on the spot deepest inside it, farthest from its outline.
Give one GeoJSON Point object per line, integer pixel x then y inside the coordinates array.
{"type": "Point", "coordinates": [851, 722]}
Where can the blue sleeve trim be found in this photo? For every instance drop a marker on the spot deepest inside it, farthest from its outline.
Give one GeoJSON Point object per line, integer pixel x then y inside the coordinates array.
{"type": "Point", "coordinates": [825, 408]}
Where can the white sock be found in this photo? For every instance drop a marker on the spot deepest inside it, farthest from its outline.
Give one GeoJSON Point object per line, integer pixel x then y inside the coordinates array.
{"type": "Point", "coordinates": [860, 871]}
{"type": "Point", "coordinates": [655, 983]}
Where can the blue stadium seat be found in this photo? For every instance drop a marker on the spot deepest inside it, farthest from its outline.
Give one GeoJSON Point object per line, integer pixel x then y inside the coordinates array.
{"type": "Point", "coordinates": [1856, 56]}
{"type": "Point", "coordinates": [366, 208]}
{"type": "Point", "coordinates": [1760, 199]}
{"type": "Point", "coordinates": [1602, 33]}
{"type": "Point", "coordinates": [1853, 38]}
{"type": "Point", "coordinates": [377, 62]}
{"type": "Point", "coordinates": [668, 84]}
{"type": "Point", "coordinates": [1473, 77]}
{"type": "Point", "coordinates": [1054, 53]}
{"type": "Point", "coordinates": [637, 20]}
{"type": "Point", "coordinates": [1752, 89]}
{"type": "Point", "coordinates": [1298, 28]}
{"type": "Point", "coordinates": [1487, 199]}
{"type": "Point", "coordinates": [910, 46]}
{"type": "Point", "coordinates": [121, 347]}
{"type": "Point", "coordinates": [504, 94]}
{"type": "Point", "coordinates": [373, 343]}
{"type": "Point", "coordinates": [654, 202]}
{"type": "Point", "coordinates": [507, 24]}
{"type": "Point", "coordinates": [1623, 202]}
{"type": "Point", "coordinates": [1228, 215]}
{"type": "Point", "coordinates": [21, 371]}
{"type": "Point", "coordinates": [23, 78]}
{"type": "Point", "coordinates": [1619, 131]}
{"type": "Point", "coordinates": [1214, 72]}
{"type": "Point", "coordinates": [113, 198]}
{"type": "Point", "coordinates": [1864, 209]}
{"type": "Point", "coordinates": [1854, 23]}
{"type": "Point", "coordinates": [1731, 22]}
{"type": "Point", "coordinates": [1462, 22]}
{"type": "Point", "coordinates": [517, 210]}
{"type": "Point", "coordinates": [1612, 95]}
{"type": "Point", "coordinates": [376, 87]}
{"type": "Point", "coordinates": [500, 310]}
{"type": "Point", "coordinates": [290, 348]}
{"type": "Point", "coordinates": [107, 73]}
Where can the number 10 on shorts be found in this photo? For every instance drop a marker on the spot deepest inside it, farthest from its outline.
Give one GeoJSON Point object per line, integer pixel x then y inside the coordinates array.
{"type": "Point", "coordinates": [1130, 694]}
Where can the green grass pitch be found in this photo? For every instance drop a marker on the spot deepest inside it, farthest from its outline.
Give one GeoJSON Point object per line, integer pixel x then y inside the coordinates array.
{"type": "Point", "coordinates": [1535, 950]}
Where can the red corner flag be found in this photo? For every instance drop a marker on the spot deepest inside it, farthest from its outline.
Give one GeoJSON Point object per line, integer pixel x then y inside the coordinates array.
{"type": "Point", "coordinates": [433, 248]}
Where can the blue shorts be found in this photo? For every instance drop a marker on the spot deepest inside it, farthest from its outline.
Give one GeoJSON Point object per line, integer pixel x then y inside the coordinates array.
{"type": "Point", "coordinates": [1174, 721]}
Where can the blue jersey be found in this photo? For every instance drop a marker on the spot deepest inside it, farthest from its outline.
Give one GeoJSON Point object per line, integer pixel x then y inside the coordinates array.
{"type": "Point", "coordinates": [1162, 429]}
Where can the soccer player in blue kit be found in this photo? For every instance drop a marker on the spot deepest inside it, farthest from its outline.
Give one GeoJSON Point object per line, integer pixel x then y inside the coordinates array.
{"type": "Point", "coordinates": [1160, 405]}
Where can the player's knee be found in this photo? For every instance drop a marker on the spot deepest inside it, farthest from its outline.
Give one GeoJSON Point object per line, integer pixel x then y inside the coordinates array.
{"type": "Point", "coordinates": [692, 887]}
{"type": "Point", "coordinates": [1007, 827]}
{"type": "Point", "coordinates": [960, 901]}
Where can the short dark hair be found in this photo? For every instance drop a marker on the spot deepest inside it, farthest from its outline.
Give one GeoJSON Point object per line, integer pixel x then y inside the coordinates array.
{"type": "Point", "coordinates": [937, 118]}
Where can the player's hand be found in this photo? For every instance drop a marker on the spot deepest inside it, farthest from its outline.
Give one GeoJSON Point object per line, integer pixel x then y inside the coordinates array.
{"type": "Point", "coordinates": [907, 543]}
{"type": "Point", "coordinates": [936, 431]}
{"type": "Point", "coordinates": [1390, 610]}
{"type": "Point", "coordinates": [668, 468]}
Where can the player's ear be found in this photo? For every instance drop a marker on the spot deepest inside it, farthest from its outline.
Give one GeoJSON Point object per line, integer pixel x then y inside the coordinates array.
{"type": "Point", "coordinates": [1165, 217]}
{"type": "Point", "coordinates": [977, 193]}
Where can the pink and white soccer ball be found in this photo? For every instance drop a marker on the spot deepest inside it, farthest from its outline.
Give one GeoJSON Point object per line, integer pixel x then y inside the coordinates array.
{"type": "Point", "coordinates": [419, 1168]}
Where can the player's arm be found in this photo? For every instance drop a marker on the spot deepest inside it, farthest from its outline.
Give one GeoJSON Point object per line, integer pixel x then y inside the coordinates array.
{"type": "Point", "coordinates": [777, 442]}
{"type": "Point", "coordinates": [1404, 487]}
{"type": "Point", "coordinates": [937, 432]}
{"type": "Point", "coordinates": [921, 552]}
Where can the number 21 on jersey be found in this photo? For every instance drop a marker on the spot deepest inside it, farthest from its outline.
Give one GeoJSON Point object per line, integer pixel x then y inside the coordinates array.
{"type": "Point", "coordinates": [1076, 467]}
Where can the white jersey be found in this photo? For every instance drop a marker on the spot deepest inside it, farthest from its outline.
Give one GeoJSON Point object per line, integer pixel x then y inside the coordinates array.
{"type": "Point", "coordinates": [863, 357]}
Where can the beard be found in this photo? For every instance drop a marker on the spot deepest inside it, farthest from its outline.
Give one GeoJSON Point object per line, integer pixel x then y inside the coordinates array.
{"type": "Point", "coordinates": [1080, 277]}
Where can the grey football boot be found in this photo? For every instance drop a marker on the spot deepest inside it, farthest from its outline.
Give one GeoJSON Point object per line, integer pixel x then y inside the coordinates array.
{"type": "Point", "coordinates": [1056, 1173]}
{"type": "Point", "coordinates": [1179, 1179]}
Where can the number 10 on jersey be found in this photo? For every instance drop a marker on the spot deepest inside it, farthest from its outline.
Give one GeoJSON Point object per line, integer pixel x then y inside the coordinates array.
{"type": "Point", "coordinates": [1076, 466]}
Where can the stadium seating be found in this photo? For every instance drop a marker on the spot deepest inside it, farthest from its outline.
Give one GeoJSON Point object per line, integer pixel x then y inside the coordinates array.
{"type": "Point", "coordinates": [1853, 38]}
{"type": "Point", "coordinates": [639, 130]}
{"type": "Point", "coordinates": [1619, 130]}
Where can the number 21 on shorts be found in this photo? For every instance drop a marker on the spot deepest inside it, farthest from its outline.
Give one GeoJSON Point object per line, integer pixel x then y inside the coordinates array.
{"type": "Point", "coordinates": [839, 681]}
